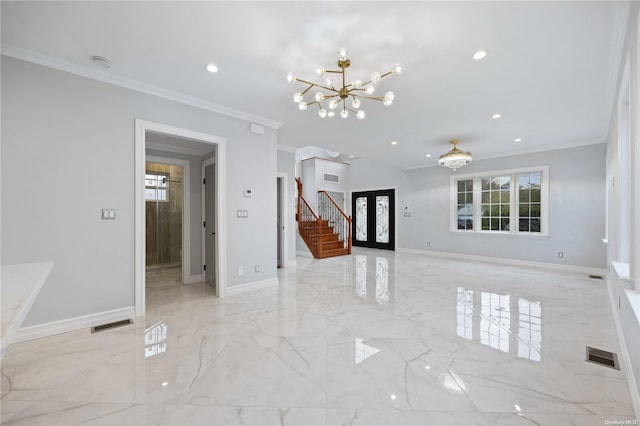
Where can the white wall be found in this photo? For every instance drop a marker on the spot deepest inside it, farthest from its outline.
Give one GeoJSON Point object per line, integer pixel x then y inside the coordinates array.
{"type": "Point", "coordinates": [576, 207]}
{"type": "Point", "coordinates": [68, 151]}
{"type": "Point", "coordinates": [624, 289]}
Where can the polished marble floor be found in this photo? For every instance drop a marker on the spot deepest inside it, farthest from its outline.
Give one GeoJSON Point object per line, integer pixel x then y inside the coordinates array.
{"type": "Point", "coordinates": [376, 338]}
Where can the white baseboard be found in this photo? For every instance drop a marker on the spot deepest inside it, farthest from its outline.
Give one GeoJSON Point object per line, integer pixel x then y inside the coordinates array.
{"type": "Point", "coordinates": [195, 279]}
{"type": "Point", "coordinates": [513, 262]}
{"type": "Point", "coordinates": [72, 324]}
{"type": "Point", "coordinates": [256, 285]}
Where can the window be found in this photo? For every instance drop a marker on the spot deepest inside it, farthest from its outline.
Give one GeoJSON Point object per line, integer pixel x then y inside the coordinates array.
{"type": "Point", "coordinates": [506, 202]}
{"type": "Point", "coordinates": [155, 186]}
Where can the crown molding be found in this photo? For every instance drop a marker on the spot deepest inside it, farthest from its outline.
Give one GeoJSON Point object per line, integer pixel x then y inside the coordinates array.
{"type": "Point", "coordinates": [286, 148]}
{"type": "Point", "coordinates": [101, 75]}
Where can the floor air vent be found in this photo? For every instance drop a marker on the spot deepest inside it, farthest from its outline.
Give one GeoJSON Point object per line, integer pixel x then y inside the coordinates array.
{"type": "Point", "coordinates": [597, 277]}
{"type": "Point", "coordinates": [598, 356]}
{"type": "Point", "coordinates": [111, 325]}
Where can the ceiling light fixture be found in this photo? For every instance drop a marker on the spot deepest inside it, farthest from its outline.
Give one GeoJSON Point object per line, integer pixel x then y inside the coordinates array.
{"type": "Point", "coordinates": [517, 140]}
{"type": "Point", "coordinates": [480, 54]}
{"type": "Point", "coordinates": [496, 115]}
{"type": "Point", "coordinates": [101, 62]}
{"type": "Point", "coordinates": [212, 68]}
{"type": "Point", "coordinates": [356, 90]}
{"type": "Point", "coordinates": [394, 143]}
{"type": "Point", "coordinates": [455, 158]}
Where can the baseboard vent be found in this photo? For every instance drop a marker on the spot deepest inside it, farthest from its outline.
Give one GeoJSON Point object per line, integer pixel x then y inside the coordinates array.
{"type": "Point", "coordinates": [111, 325]}
{"type": "Point", "coordinates": [597, 277]}
{"type": "Point", "coordinates": [598, 356]}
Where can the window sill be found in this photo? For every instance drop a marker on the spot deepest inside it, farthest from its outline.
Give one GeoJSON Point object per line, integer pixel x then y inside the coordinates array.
{"type": "Point", "coordinates": [500, 234]}
{"type": "Point", "coordinates": [622, 269]}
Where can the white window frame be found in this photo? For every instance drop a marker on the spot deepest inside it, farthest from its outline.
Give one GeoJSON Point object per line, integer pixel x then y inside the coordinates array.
{"type": "Point", "coordinates": [156, 187]}
{"type": "Point", "coordinates": [513, 202]}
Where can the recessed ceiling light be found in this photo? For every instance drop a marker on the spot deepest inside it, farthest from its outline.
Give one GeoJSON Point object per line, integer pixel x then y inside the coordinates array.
{"type": "Point", "coordinates": [394, 142]}
{"type": "Point", "coordinates": [496, 115]}
{"type": "Point", "coordinates": [352, 156]}
{"type": "Point", "coordinates": [517, 140]}
{"type": "Point", "coordinates": [428, 155]}
{"type": "Point", "coordinates": [101, 62]}
{"type": "Point", "coordinates": [212, 68]}
{"type": "Point", "coordinates": [480, 54]}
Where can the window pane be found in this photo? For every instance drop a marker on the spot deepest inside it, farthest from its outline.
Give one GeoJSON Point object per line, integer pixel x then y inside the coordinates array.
{"type": "Point", "coordinates": [162, 195]}
{"type": "Point", "coordinates": [523, 225]}
{"type": "Point", "coordinates": [150, 194]}
{"type": "Point", "coordinates": [535, 194]}
{"type": "Point", "coordinates": [535, 210]}
{"type": "Point", "coordinates": [462, 185]}
{"type": "Point", "coordinates": [535, 225]}
{"type": "Point", "coordinates": [524, 210]}
{"type": "Point", "coordinates": [382, 219]}
{"type": "Point", "coordinates": [504, 224]}
{"type": "Point", "coordinates": [524, 195]}
{"type": "Point", "coordinates": [485, 224]}
{"type": "Point", "coordinates": [361, 219]}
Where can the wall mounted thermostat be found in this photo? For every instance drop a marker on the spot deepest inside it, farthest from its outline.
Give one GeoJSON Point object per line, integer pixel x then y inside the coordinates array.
{"type": "Point", "coordinates": [248, 193]}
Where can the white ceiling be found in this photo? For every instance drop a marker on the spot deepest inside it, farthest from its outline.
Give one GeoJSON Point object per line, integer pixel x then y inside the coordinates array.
{"type": "Point", "coordinates": [549, 70]}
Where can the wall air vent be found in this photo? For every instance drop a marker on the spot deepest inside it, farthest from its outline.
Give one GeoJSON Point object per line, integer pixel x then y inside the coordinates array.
{"type": "Point", "coordinates": [598, 356]}
{"type": "Point", "coordinates": [110, 325]}
{"type": "Point", "coordinates": [596, 277]}
{"type": "Point", "coordinates": [328, 177]}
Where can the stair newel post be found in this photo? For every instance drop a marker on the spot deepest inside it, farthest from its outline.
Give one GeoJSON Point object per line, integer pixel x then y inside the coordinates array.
{"type": "Point", "coordinates": [349, 234]}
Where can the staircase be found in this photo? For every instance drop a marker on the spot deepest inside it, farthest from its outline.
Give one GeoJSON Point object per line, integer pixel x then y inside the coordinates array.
{"type": "Point", "coordinates": [328, 233]}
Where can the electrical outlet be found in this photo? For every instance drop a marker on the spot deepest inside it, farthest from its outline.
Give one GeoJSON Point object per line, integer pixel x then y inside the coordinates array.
{"type": "Point", "coordinates": [240, 270]}
{"type": "Point", "coordinates": [561, 255]}
{"type": "Point", "coordinates": [257, 268]}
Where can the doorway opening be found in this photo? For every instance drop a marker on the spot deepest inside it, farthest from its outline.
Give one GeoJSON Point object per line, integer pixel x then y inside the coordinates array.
{"type": "Point", "coordinates": [184, 143]}
{"type": "Point", "coordinates": [281, 222]}
{"type": "Point", "coordinates": [164, 207]}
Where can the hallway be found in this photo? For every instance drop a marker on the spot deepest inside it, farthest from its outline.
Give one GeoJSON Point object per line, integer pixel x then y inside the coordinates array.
{"type": "Point", "coordinates": [375, 338]}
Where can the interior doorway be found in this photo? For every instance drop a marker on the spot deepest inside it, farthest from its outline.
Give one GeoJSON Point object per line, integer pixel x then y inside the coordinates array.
{"type": "Point", "coordinates": [209, 216]}
{"type": "Point", "coordinates": [281, 190]}
{"type": "Point", "coordinates": [180, 138]}
{"type": "Point", "coordinates": [166, 224]}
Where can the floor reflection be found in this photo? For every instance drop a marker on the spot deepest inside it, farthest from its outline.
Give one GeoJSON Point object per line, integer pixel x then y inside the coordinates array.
{"type": "Point", "coordinates": [381, 278]}
{"type": "Point", "coordinates": [493, 318]}
{"type": "Point", "coordinates": [155, 338]}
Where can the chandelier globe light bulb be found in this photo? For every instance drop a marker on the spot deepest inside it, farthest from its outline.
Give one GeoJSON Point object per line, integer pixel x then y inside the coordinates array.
{"type": "Point", "coordinates": [297, 97]}
{"type": "Point", "coordinates": [360, 114]}
{"type": "Point", "coordinates": [302, 106]}
{"type": "Point", "coordinates": [344, 113]}
{"type": "Point", "coordinates": [356, 103]}
{"type": "Point", "coordinates": [291, 78]}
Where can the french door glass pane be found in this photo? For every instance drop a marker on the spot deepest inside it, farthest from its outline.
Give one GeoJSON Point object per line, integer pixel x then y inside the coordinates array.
{"type": "Point", "coordinates": [361, 219]}
{"type": "Point", "coordinates": [382, 219]}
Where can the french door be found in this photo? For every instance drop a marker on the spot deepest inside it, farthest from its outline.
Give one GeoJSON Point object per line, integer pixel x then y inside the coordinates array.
{"type": "Point", "coordinates": [373, 215]}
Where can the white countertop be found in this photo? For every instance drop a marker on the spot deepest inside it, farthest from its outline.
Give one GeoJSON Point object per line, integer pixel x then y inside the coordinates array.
{"type": "Point", "coordinates": [19, 287]}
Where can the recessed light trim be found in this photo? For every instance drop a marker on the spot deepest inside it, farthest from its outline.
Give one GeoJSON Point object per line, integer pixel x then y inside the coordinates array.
{"type": "Point", "coordinates": [480, 54]}
{"type": "Point", "coordinates": [428, 155]}
{"type": "Point", "coordinates": [394, 142]}
{"type": "Point", "coordinates": [517, 140]}
{"type": "Point", "coordinates": [212, 68]}
{"type": "Point", "coordinates": [496, 115]}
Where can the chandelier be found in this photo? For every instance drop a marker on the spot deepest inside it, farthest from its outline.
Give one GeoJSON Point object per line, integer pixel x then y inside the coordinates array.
{"type": "Point", "coordinates": [455, 158]}
{"type": "Point", "coordinates": [339, 97]}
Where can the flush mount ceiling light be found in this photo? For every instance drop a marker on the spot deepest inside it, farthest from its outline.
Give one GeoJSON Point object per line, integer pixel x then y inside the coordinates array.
{"type": "Point", "coordinates": [455, 158]}
{"type": "Point", "coordinates": [101, 62]}
{"type": "Point", "coordinates": [337, 97]}
{"type": "Point", "coordinates": [211, 68]}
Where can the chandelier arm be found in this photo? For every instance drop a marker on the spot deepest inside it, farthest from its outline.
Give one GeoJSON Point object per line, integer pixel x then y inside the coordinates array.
{"type": "Point", "coordinates": [374, 98]}
{"type": "Point", "coordinates": [316, 85]}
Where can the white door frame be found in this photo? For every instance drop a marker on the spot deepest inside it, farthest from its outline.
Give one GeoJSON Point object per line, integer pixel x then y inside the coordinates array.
{"type": "Point", "coordinates": [186, 211]}
{"type": "Point", "coordinates": [205, 163]}
{"type": "Point", "coordinates": [141, 127]}
{"type": "Point", "coordinates": [284, 206]}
